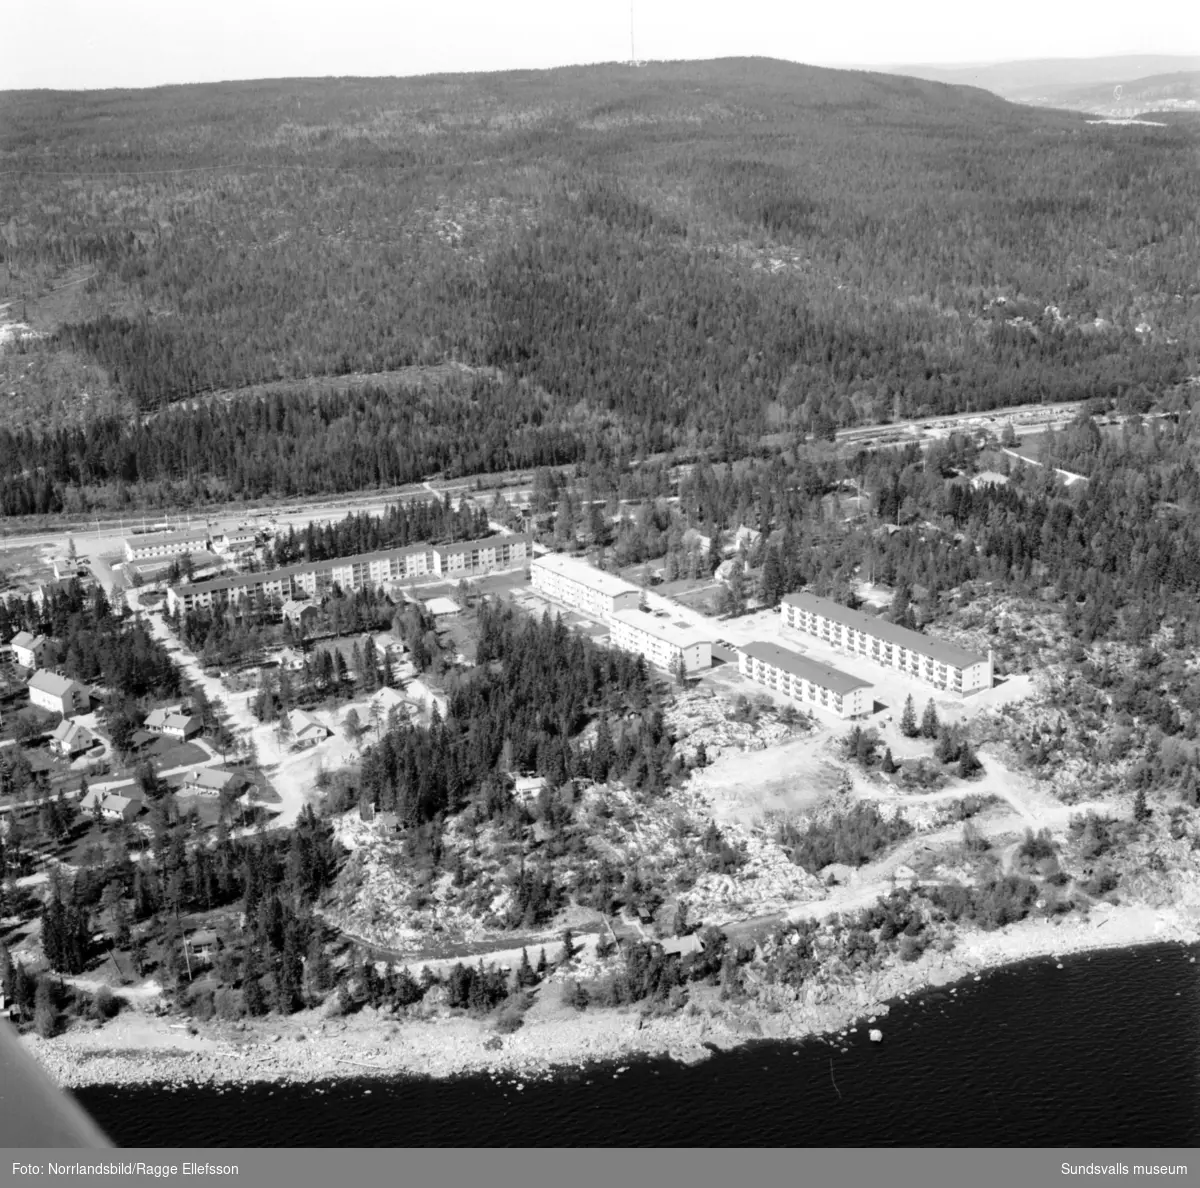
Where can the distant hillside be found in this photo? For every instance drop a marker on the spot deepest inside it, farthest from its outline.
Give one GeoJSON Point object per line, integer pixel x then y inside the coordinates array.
{"type": "Point", "coordinates": [1160, 92]}
{"type": "Point", "coordinates": [1040, 80]}
{"type": "Point", "coordinates": [683, 256]}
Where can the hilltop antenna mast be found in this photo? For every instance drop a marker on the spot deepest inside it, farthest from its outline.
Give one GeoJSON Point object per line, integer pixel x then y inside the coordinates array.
{"type": "Point", "coordinates": [632, 51]}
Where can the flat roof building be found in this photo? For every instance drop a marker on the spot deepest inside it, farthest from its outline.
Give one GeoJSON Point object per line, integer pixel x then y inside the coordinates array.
{"type": "Point", "coordinates": [936, 662]}
{"type": "Point", "coordinates": [805, 681]}
{"type": "Point", "coordinates": [572, 581]}
{"type": "Point", "coordinates": [662, 642]}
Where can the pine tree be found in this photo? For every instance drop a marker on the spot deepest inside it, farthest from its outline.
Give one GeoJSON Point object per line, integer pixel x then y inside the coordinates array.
{"type": "Point", "coordinates": [929, 721]}
{"type": "Point", "coordinates": [542, 964]}
{"type": "Point", "coordinates": [1141, 810]}
{"type": "Point", "coordinates": [568, 943]}
{"type": "Point", "coordinates": [888, 766]}
{"type": "Point", "coordinates": [908, 719]}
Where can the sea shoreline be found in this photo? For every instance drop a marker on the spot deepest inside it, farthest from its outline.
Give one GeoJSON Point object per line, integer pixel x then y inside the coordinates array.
{"type": "Point", "coordinates": [142, 1049]}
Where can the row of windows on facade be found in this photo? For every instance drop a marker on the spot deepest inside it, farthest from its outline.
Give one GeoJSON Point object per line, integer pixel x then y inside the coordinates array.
{"type": "Point", "coordinates": [814, 625]}
{"type": "Point", "coordinates": [765, 674]}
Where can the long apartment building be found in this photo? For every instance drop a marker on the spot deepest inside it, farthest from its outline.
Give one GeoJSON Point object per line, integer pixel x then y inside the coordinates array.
{"type": "Point", "coordinates": [806, 681]}
{"type": "Point", "coordinates": [492, 552]}
{"type": "Point", "coordinates": [314, 579]}
{"type": "Point", "coordinates": [165, 544]}
{"type": "Point", "coordinates": [575, 583]}
{"type": "Point", "coordinates": [662, 642]}
{"type": "Point", "coordinates": [943, 665]}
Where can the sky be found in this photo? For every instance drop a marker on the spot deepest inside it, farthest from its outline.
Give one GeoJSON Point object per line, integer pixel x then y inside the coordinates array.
{"type": "Point", "coordinates": [81, 44]}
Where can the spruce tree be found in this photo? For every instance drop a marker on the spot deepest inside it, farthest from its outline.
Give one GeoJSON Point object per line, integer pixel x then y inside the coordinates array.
{"type": "Point", "coordinates": [929, 721]}
{"type": "Point", "coordinates": [1141, 810]}
{"type": "Point", "coordinates": [908, 719]}
{"type": "Point", "coordinates": [968, 762]}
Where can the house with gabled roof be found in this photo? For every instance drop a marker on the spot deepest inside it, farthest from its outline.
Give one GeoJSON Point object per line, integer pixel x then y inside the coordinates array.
{"type": "Point", "coordinates": [58, 694]}
{"type": "Point", "coordinates": [29, 651]}
{"type": "Point", "coordinates": [212, 781]}
{"type": "Point", "coordinates": [306, 728]}
{"type": "Point", "coordinates": [70, 739]}
{"type": "Point", "coordinates": [115, 804]}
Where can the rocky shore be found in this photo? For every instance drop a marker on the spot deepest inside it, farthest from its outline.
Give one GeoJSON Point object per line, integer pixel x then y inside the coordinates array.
{"type": "Point", "coordinates": [137, 1048]}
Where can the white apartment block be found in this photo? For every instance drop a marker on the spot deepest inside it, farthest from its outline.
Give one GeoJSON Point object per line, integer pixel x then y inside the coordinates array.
{"type": "Point", "coordinates": [235, 541]}
{"type": "Point", "coordinates": [165, 544]}
{"type": "Point", "coordinates": [943, 665]}
{"type": "Point", "coordinates": [662, 642]}
{"type": "Point", "coordinates": [58, 694]}
{"type": "Point", "coordinates": [312, 579]}
{"type": "Point", "coordinates": [805, 681]}
{"type": "Point", "coordinates": [575, 583]}
{"type": "Point", "coordinates": [366, 570]}
{"type": "Point", "coordinates": [475, 556]}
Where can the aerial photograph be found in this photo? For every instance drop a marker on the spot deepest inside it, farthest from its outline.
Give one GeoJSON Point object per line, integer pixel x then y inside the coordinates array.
{"type": "Point", "coordinates": [618, 576]}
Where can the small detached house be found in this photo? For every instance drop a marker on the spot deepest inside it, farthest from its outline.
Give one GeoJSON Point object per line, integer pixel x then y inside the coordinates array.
{"type": "Point", "coordinates": [302, 615]}
{"type": "Point", "coordinates": [202, 945]}
{"type": "Point", "coordinates": [58, 694]}
{"type": "Point", "coordinates": [683, 946]}
{"type": "Point", "coordinates": [117, 804]}
{"type": "Point", "coordinates": [212, 781]}
{"type": "Point", "coordinates": [528, 787]}
{"type": "Point", "coordinates": [70, 739]}
{"type": "Point", "coordinates": [156, 719]}
{"type": "Point", "coordinates": [306, 728]}
{"type": "Point", "coordinates": [29, 651]}
{"type": "Point", "coordinates": [181, 727]}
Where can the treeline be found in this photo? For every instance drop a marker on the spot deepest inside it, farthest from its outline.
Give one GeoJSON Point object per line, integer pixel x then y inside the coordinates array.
{"type": "Point", "coordinates": [401, 524]}
{"type": "Point", "coordinates": [285, 444]}
{"type": "Point", "coordinates": [689, 257]}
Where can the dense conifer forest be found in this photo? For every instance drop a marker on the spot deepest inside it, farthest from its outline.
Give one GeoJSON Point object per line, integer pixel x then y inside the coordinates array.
{"type": "Point", "coordinates": [685, 256]}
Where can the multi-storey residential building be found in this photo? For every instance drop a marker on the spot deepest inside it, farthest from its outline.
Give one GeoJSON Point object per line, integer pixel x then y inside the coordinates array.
{"type": "Point", "coordinates": [572, 581]}
{"type": "Point", "coordinates": [165, 544]}
{"type": "Point", "coordinates": [944, 665]}
{"type": "Point", "coordinates": [805, 681]}
{"type": "Point", "coordinates": [58, 694]}
{"type": "Point", "coordinates": [310, 579]}
{"type": "Point", "coordinates": [314, 579]}
{"type": "Point", "coordinates": [473, 556]}
{"type": "Point", "coordinates": [236, 540]}
{"type": "Point", "coordinates": [29, 651]}
{"type": "Point", "coordinates": [662, 642]}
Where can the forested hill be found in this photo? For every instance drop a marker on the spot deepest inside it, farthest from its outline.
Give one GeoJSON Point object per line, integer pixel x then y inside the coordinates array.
{"type": "Point", "coordinates": [683, 254]}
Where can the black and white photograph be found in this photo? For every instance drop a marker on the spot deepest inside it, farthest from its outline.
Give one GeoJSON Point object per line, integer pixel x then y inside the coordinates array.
{"type": "Point", "coordinates": [610, 575]}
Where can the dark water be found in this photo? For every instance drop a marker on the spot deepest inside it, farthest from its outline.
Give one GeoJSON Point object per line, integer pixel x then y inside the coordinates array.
{"type": "Point", "coordinates": [1105, 1051]}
